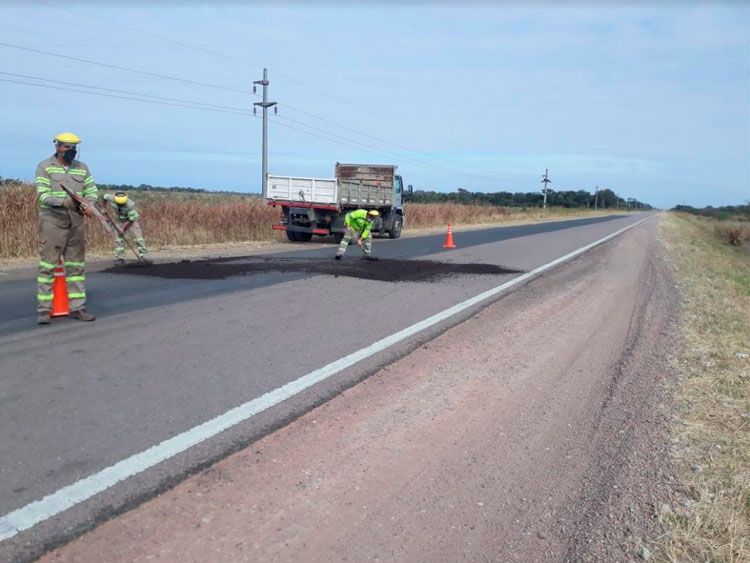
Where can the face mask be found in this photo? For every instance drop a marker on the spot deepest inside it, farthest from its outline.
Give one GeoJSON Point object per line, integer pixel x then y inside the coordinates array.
{"type": "Point", "coordinates": [69, 155]}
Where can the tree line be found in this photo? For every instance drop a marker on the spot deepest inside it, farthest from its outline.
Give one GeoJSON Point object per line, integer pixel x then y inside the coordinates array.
{"type": "Point", "coordinates": [721, 213]}
{"type": "Point", "coordinates": [605, 199]}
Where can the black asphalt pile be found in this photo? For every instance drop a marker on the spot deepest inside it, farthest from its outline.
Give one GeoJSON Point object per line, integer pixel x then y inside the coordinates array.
{"type": "Point", "coordinates": [382, 270]}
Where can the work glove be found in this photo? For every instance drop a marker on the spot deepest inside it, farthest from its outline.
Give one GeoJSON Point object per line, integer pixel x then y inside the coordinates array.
{"type": "Point", "coordinates": [86, 209]}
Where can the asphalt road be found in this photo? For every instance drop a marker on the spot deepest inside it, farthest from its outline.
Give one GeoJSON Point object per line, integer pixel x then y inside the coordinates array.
{"type": "Point", "coordinates": [167, 355]}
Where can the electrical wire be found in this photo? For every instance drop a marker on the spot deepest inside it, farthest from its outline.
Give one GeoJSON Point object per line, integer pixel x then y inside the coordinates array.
{"type": "Point", "coordinates": [123, 91]}
{"type": "Point", "coordinates": [118, 97]}
{"type": "Point", "coordinates": [275, 72]}
{"type": "Point", "coordinates": [387, 153]}
{"type": "Point", "coordinates": [116, 67]}
{"type": "Point", "coordinates": [187, 104]}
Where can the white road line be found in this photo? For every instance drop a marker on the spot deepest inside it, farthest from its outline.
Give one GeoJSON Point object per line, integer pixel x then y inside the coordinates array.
{"type": "Point", "coordinates": [67, 497]}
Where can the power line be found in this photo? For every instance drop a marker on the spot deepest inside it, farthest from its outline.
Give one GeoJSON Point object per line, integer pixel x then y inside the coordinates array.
{"type": "Point", "coordinates": [189, 46]}
{"type": "Point", "coordinates": [187, 104]}
{"type": "Point", "coordinates": [276, 72]}
{"type": "Point", "coordinates": [127, 95]}
{"type": "Point", "coordinates": [123, 91]}
{"type": "Point", "coordinates": [387, 153]}
{"type": "Point", "coordinates": [147, 33]}
{"type": "Point", "coordinates": [164, 76]}
{"type": "Point", "coordinates": [118, 97]}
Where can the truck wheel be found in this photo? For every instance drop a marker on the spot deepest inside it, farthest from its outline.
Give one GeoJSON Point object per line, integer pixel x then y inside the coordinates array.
{"type": "Point", "coordinates": [395, 231]}
{"type": "Point", "coordinates": [338, 237]}
{"type": "Point", "coordinates": [291, 235]}
{"type": "Point", "coordinates": [304, 237]}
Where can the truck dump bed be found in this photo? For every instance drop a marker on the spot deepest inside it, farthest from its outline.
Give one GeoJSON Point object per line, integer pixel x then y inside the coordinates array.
{"type": "Point", "coordinates": [365, 185]}
{"type": "Point", "coordinates": [291, 189]}
{"type": "Point", "coordinates": [355, 185]}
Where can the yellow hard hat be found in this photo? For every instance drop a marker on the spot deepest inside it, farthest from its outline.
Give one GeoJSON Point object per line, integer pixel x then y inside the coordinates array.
{"type": "Point", "coordinates": [373, 213]}
{"type": "Point", "coordinates": [70, 138]}
{"type": "Point", "coordinates": [121, 198]}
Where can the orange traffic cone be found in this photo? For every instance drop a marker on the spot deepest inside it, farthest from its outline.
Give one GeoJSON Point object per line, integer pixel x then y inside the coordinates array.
{"type": "Point", "coordinates": [60, 306]}
{"type": "Point", "coordinates": [449, 238]}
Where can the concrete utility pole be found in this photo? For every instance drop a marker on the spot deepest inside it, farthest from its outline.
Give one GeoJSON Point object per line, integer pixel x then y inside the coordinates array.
{"type": "Point", "coordinates": [596, 198]}
{"type": "Point", "coordinates": [265, 104]}
{"type": "Point", "coordinates": [545, 181]}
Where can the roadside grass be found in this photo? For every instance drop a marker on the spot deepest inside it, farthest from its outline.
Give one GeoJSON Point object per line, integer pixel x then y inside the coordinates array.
{"type": "Point", "coordinates": [180, 219]}
{"type": "Point", "coordinates": [709, 516]}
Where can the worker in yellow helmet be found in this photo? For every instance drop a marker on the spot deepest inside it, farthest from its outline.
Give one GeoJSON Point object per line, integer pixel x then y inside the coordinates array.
{"type": "Point", "coordinates": [126, 219]}
{"type": "Point", "coordinates": [61, 226]}
{"type": "Point", "coordinates": [359, 227]}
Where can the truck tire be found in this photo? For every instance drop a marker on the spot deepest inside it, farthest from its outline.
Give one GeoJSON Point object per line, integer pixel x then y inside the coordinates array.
{"type": "Point", "coordinates": [395, 231]}
{"type": "Point", "coordinates": [338, 237]}
{"type": "Point", "coordinates": [291, 235]}
{"type": "Point", "coordinates": [304, 237]}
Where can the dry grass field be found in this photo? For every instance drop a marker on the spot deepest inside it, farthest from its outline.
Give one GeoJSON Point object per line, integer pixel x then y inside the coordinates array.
{"type": "Point", "coordinates": [709, 517]}
{"type": "Point", "coordinates": [185, 218]}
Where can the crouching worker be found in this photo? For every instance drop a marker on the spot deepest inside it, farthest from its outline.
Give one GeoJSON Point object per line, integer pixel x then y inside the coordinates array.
{"type": "Point", "coordinates": [359, 227]}
{"type": "Point", "coordinates": [126, 220]}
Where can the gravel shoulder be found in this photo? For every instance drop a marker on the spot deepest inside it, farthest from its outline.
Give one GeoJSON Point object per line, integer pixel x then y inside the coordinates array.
{"type": "Point", "coordinates": [538, 430]}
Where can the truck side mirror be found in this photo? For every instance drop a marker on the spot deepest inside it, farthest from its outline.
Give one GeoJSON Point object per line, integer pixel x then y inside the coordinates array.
{"type": "Point", "coordinates": [409, 189]}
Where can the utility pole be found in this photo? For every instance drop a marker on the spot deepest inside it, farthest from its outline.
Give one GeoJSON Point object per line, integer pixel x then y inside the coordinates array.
{"type": "Point", "coordinates": [596, 199]}
{"type": "Point", "coordinates": [545, 181]}
{"type": "Point", "coordinates": [265, 104]}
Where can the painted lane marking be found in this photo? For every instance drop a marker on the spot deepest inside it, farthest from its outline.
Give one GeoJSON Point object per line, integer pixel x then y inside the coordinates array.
{"type": "Point", "coordinates": [38, 511]}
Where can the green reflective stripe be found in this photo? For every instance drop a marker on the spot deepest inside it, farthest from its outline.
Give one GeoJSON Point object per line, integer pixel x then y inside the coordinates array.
{"type": "Point", "coordinates": [90, 191]}
{"type": "Point", "coordinates": [42, 180]}
{"type": "Point", "coordinates": [88, 180]}
{"type": "Point", "coordinates": [57, 193]}
{"type": "Point", "coordinates": [77, 172]}
{"type": "Point", "coordinates": [76, 296]}
{"type": "Point", "coordinates": [44, 297]}
{"type": "Point", "coordinates": [76, 278]}
{"type": "Point", "coordinates": [43, 189]}
{"type": "Point", "coordinates": [80, 264]}
{"type": "Point", "coordinates": [132, 216]}
{"type": "Point", "coordinates": [54, 169]}
{"type": "Point", "coordinates": [44, 264]}
{"type": "Point", "coordinates": [45, 280]}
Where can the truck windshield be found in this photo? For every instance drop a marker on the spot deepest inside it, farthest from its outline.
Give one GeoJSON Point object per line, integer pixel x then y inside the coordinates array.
{"type": "Point", "coordinates": [397, 183]}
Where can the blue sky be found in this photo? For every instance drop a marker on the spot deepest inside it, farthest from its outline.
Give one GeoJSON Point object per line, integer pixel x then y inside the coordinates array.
{"type": "Point", "coordinates": [653, 103]}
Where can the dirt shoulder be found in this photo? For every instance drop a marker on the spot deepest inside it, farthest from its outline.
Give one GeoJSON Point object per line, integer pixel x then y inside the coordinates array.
{"type": "Point", "coordinates": [535, 431]}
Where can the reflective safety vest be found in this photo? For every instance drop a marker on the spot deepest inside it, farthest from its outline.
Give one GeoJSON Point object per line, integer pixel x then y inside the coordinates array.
{"type": "Point", "coordinates": [50, 176]}
{"type": "Point", "coordinates": [358, 221]}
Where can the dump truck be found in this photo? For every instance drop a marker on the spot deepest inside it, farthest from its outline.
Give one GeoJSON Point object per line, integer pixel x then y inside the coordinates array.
{"type": "Point", "coordinates": [317, 206]}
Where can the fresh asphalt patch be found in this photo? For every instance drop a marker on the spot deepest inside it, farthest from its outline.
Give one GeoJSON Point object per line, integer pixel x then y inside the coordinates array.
{"type": "Point", "coordinates": [385, 269]}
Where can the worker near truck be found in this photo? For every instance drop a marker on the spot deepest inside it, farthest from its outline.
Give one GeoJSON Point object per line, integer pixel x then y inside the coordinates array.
{"type": "Point", "coordinates": [359, 227]}
{"type": "Point", "coordinates": [126, 220]}
{"type": "Point", "coordinates": [61, 226]}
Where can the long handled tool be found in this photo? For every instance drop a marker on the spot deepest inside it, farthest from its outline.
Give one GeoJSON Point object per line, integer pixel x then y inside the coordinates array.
{"type": "Point", "coordinates": [365, 255]}
{"type": "Point", "coordinates": [108, 224]}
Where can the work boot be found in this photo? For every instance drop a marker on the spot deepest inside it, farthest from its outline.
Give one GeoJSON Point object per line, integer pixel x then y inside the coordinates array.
{"type": "Point", "coordinates": [145, 261]}
{"type": "Point", "coordinates": [82, 315]}
{"type": "Point", "coordinates": [338, 257]}
{"type": "Point", "coordinates": [120, 262]}
{"type": "Point", "coordinates": [43, 318]}
{"type": "Point", "coordinates": [371, 258]}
